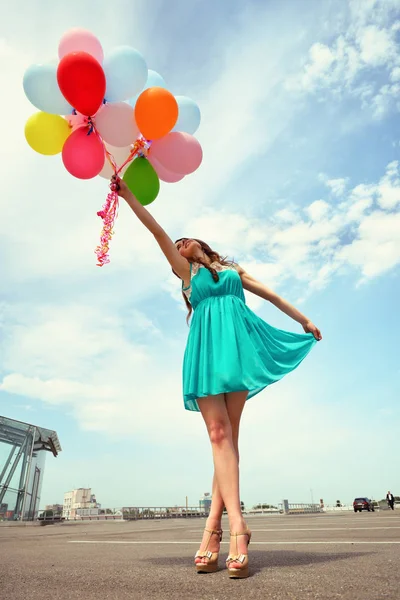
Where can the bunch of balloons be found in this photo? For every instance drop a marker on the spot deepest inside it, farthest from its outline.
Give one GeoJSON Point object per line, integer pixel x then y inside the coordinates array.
{"type": "Point", "coordinates": [110, 115]}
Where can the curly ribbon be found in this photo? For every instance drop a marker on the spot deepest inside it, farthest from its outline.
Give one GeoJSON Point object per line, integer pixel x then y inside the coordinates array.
{"type": "Point", "coordinates": [109, 211]}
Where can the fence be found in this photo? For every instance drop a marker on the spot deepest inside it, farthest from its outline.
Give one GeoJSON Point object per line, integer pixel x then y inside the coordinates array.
{"type": "Point", "coordinates": [141, 513]}
{"type": "Point", "coordinates": [127, 513]}
{"type": "Point", "coordinates": [299, 509]}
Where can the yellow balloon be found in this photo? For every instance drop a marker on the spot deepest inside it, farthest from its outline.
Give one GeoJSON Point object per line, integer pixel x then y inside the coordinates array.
{"type": "Point", "coordinates": [46, 133]}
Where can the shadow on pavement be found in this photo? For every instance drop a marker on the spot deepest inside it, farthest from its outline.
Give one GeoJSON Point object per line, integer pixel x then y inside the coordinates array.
{"type": "Point", "coordinates": [262, 559]}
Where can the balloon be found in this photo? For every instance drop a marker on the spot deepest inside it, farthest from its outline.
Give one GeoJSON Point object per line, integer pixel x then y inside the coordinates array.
{"type": "Point", "coordinates": [156, 112]}
{"type": "Point", "coordinates": [163, 173]}
{"type": "Point", "coordinates": [76, 120]}
{"type": "Point", "coordinates": [189, 115]}
{"type": "Point", "coordinates": [154, 79]}
{"type": "Point", "coordinates": [80, 40]}
{"type": "Point", "coordinates": [41, 88]}
{"type": "Point", "coordinates": [46, 133]}
{"type": "Point", "coordinates": [178, 152]}
{"type": "Point", "coordinates": [83, 154]}
{"type": "Point", "coordinates": [116, 124]}
{"type": "Point", "coordinates": [142, 180]}
{"type": "Point", "coordinates": [120, 155]}
{"type": "Point", "coordinates": [82, 82]}
{"type": "Point", "coordinates": [126, 73]}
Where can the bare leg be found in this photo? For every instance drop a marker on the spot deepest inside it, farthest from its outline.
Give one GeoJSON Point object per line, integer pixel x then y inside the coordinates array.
{"type": "Point", "coordinates": [222, 416]}
{"type": "Point", "coordinates": [235, 402]}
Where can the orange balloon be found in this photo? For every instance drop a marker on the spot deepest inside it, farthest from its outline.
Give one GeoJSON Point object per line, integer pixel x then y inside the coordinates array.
{"type": "Point", "coordinates": [156, 112]}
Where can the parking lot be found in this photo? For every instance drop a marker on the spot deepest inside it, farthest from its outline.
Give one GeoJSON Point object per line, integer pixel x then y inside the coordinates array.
{"type": "Point", "coordinates": [340, 555]}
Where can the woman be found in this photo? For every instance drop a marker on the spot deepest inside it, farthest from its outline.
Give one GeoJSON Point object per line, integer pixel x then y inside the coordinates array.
{"type": "Point", "coordinates": [231, 355]}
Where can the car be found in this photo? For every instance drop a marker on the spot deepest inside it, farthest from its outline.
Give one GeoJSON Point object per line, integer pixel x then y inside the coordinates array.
{"type": "Point", "coordinates": [360, 504]}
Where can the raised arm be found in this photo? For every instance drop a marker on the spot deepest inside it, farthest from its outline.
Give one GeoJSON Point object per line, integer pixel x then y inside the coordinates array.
{"type": "Point", "coordinates": [256, 287]}
{"type": "Point", "coordinates": [178, 263]}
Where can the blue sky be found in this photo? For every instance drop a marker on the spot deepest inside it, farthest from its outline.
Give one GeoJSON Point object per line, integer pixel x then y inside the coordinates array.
{"type": "Point", "coordinates": [300, 183]}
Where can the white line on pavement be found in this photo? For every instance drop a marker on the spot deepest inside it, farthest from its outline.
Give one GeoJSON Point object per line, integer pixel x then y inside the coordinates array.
{"type": "Point", "coordinates": [315, 529]}
{"type": "Point", "coordinates": [355, 517]}
{"type": "Point", "coordinates": [252, 542]}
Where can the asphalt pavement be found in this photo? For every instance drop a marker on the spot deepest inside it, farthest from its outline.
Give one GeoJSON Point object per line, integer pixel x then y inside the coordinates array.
{"type": "Point", "coordinates": [330, 556]}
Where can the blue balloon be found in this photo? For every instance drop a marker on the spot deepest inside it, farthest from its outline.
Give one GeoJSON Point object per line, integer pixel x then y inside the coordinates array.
{"type": "Point", "coordinates": [41, 88]}
{"type": "Point", "coordinates": [126, 73]}
{"type": "Point", "coordinates": [189, 115]}
{"type": "Point", "coordinates": [154, 79]}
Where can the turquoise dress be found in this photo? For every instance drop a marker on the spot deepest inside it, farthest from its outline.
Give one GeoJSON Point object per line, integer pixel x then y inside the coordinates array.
{"type": "Point", "coordinates": [230, 348]}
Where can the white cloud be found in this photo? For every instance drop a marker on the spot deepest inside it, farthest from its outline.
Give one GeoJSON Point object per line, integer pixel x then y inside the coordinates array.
{"type": "Point", "coordinates": [385, 99]}
{"type": "Point", "coordinates": [381, 12]}
{"type": "Point", "coordinates": [228, 231]}
{"type": "Point", "coordinates": [377, 46]}
{"type": "Point", "coordinates": [395, 74]}
{"type": "Point", "coordinates": [321, 59]}
{"type": "Point", "coordinates": [313, 245]}
{"type": "Point", "coordinates": [367, 43]}
{"type": "Point", "coordinates": [376, 250]}
{"type": "Point", "coordinates": [389, 187]}
{"type": "Point", "coordinates": [337, 186]}
{"type": "Point", "coordinates": [270, 273]}
{"type": "Point", "coordinates": [102, 375]}
{"type": "Point", "coordinates": [286, 215]}
{"type": "Point", "coordinates": [317, 210]}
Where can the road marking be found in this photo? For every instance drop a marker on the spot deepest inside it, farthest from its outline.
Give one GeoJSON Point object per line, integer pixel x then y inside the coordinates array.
{"type": "Point", "coordinates": [143, 542]}
{"type": "Point", "coordinates": [359, 516]}
{"type": "Point", "coordinates": [316, 529]}
{"type": "Point", "coordinates": [364, 520]}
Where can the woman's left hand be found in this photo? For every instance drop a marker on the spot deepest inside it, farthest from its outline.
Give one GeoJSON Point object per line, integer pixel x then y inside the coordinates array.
{"type": "Point", "coordinates": [309, 327]}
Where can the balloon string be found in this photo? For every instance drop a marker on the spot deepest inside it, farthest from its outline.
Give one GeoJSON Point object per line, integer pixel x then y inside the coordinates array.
{"type": "Point", "coordinates": [109, 211]}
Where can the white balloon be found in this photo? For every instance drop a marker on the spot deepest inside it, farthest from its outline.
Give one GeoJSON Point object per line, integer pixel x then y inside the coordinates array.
{"type": "Point", "coordinates": [116, 124]}
{"type": "Point", "coordinates": [119, 155]}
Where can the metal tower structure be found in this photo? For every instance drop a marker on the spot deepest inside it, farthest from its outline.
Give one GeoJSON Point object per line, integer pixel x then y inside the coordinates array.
{"type": "Point", "coordinates": [23, 449]}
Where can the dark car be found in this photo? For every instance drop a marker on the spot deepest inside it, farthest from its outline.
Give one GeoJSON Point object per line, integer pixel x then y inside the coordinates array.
{"type": "Point", "coordinates": [360, 504]}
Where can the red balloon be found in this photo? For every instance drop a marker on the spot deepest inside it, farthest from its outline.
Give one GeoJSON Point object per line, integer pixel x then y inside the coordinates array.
{"type": "Point", "coordinates": [83, 154]}
{"type": "Point", "coordinates": [82, 82]}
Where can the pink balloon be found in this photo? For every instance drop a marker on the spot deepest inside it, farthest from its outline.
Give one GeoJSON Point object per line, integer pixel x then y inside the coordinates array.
{"type": "Point", "coordinates": [116, 124]}
{"type": "Point", "coordinates": [76, 120]}
{"type": "Point", "coordinates": [163, 173]}
{"type": "Point", "coordinates": [178, 152]}
{"type": "Point", "coordinates": [83, 154]}
{"type": "Point", "coordinates": [80, 40]}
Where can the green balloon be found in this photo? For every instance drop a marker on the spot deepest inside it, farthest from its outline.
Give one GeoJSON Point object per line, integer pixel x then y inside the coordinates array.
{"type": "Point", "coordinates": [142, 180]}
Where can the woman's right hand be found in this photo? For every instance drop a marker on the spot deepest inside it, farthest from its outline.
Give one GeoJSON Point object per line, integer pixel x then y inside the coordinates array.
{"type": "Point", "coordinates": [120, 187]}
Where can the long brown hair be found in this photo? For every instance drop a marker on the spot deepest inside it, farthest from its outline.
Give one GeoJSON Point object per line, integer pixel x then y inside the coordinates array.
{"type": "Point", "coordinates": [214, 257]}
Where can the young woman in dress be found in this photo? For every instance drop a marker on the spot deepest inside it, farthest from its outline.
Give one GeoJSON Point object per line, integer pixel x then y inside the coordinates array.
{"type": "Point", "coordinates": [231, 355]}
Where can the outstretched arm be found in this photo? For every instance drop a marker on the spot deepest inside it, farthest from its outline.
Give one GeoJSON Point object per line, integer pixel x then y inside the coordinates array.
{"type": "Point", "coordinates": [179, 264]}
{"type": "Point", "coordinates": [256, 287]}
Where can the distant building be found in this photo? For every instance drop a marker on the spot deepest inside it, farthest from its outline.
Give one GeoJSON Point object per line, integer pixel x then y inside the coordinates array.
{"type": "Point", "coordinates": [205, 503]}
{"type": "Point", "coordinates": [78, 500]}
{"type": "Point", "coordinates": [56, 508]}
